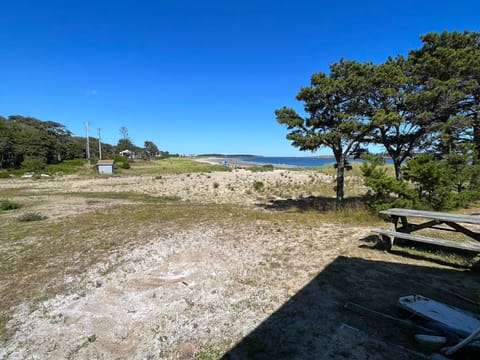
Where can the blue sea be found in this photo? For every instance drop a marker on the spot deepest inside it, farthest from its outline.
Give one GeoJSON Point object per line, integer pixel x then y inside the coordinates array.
{"type": "Point", "coordinates": [299, 161]}
{"type": "Point", "coordinates": [288, 160]}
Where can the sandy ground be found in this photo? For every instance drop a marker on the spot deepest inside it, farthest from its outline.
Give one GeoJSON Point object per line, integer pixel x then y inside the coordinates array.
{"type": "Point", "coordinates": [257, 292]}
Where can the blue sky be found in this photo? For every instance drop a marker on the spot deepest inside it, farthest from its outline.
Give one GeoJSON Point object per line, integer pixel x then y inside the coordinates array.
{"type": "Point", "coordinates": [195, 76]}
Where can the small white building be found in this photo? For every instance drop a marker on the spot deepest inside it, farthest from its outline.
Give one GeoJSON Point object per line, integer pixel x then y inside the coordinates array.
{"type": "Point", "coordinates": [127, 153]}
{"type": "Point", "coordinates": [105, 167]}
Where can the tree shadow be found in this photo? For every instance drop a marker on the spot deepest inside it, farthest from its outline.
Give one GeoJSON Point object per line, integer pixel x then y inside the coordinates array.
{"type": "Point", "coordinates": [313, 324]}
{"type": "Point", "coordinates": [318, 203]}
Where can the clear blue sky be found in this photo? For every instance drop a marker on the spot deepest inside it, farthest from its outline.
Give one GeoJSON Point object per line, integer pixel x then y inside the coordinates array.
{"type": "Point", "coordinates": [195, 76]}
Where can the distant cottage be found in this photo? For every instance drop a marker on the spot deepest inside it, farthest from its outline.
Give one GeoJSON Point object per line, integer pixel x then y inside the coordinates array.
{"type": "Point", "coordinates": [105, 167]}
{"type": "Point", "coordinates": [127, 153]}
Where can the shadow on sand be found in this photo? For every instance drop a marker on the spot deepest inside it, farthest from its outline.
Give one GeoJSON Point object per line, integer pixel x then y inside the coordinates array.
{"type": "Point", "coordinates": [313, 324]}
{"type": "Point", "coordinates": [319, 203]}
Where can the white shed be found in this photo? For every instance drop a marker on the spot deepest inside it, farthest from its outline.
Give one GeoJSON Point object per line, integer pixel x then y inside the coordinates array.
{"type": "Point", "coordinates": [105, 167]}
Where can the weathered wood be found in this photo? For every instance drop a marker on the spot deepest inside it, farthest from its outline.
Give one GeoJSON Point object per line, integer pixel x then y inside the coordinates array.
{"type": "Point", "coordinates": [434, 215]}
{"type": "Point", "coordinates": [471, 247]}
{"type": "Point", "coordinates": [463, 343]}
{"type": "Point", "coordinates": [373, 314]}
{"type": "Point", "coordinates": [460, 321]}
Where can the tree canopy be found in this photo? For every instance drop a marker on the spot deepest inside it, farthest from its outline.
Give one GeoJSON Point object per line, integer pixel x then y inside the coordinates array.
{"type": "Point", "coordinates": [27, 140]}
{"type": "Point", "coordinates": [335, 106]}
{"type": "Point", "coordinates": [428, 102]}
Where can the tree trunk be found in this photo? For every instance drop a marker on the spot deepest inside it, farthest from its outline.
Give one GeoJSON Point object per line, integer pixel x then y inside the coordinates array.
{"type": "Point", "coordinates": [397, 164]}
{"type": "Point", "coordinates": [476, 137]}
{"type": "Point", "coordinates": [340, 178]}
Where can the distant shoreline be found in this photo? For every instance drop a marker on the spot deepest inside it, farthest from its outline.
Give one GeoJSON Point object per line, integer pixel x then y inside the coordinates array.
{"type": "Point", "coordinates": [284, 162]}
{"type": "Point", "coordinates": [232, 161]}
{"type": "Point", "coordinates": [276, 161]}
{"type": "Point", "coordinates": [260, 156]}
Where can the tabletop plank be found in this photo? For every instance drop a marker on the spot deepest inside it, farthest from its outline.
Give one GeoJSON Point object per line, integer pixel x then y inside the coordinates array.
{"type": "Point", "coordinates": [434, 215]}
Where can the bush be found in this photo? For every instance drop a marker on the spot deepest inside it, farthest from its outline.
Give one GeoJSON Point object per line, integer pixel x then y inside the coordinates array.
{"type": "Point", "coordinates": [66, 166]}
{"type": "Point", "coordinates": [8, 205]}
{"type": "Point", "coordinates": [32, 216]}
{"type": "Point", "coordinates": [31, 164]}
{"type": "Point", "coordinates": [384, 190]}
{"type": "Point", "coordinates": [125, 164]}
{"type": "Point", "coordinates": [117, 158]}
{"type": "Point", "coordinates": [258, 185]}
{"type": "Point", "coordinates": [429, 183]}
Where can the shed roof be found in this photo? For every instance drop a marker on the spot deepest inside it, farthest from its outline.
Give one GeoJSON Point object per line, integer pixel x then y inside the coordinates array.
{"type": "Point", "coordinates": [105, 162]}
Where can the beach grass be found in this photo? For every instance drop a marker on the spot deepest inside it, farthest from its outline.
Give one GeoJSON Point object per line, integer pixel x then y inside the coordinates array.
{"type": "Point", "coordinates": [330, 169]}
{"type": "Point", "coordinates": [171, 165]}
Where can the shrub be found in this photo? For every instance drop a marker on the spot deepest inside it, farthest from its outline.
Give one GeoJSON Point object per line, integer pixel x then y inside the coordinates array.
{"type": "Point", "coordinates": [32, 216]}
{"type": "Point", "coordinates": [125, 164]}
{"type": "Point", "coordinates": [8, 205]}
{"type": "Point", "coordinates": [66, 166]}
{"type": "Point", "coordinates": [258, 185]}
{"type": "Point", "coordinates": [428, 183]}
{"type": "Point", "coordinates": [117, 158]}
{"type": "Point", "coordinates": [31, 164]}
{"type": "Point", "coordinates": [384, 190]}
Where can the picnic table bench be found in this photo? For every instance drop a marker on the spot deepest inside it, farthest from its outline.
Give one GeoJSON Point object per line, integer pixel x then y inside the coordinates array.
{"type": "Point", "coordinates": [402, 228]}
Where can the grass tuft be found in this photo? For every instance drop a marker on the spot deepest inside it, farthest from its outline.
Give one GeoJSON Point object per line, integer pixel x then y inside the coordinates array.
{"type": "Point", "coordinates": [32, 216]}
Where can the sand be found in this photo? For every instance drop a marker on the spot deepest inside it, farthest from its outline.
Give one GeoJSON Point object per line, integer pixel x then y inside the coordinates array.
{"type": "Point", "coordinates": [262, 291]}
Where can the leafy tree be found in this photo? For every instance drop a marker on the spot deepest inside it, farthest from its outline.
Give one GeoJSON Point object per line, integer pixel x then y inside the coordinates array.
{"type": "Point", "coordinates": [447, 73]}
{"type": "Point", "coordinates": [151, 149]}
{"type": "Point", "coordinates": [125, 144]}
{"type": "Point", "coordinates": [335, 106]}
{"type": "Point", "coordinates": [399, 121]}
{"type": "Point", "coordinates": [26, 141]}
{"type": "Point", "coordinates": [7, 154]}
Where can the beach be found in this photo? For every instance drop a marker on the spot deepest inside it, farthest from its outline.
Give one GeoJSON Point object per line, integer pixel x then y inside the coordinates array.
{"type": "Point", "coordinates": [202, 264]}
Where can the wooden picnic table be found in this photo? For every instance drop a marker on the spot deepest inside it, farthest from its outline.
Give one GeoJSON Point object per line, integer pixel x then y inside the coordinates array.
{"type": "Point", "coordinates": [402, 228]}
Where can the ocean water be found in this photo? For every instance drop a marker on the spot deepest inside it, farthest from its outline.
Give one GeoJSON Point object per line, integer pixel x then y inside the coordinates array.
{"type": "Point", "coordinates": [289, 160]}
{"type": "Point", "coordinates": [309, 161]}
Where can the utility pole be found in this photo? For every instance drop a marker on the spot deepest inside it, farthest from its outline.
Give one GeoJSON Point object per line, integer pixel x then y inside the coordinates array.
{"type": "Point", "coordinates": [88, 143]}
{"type": "Point", "coordinates": [99, 145]}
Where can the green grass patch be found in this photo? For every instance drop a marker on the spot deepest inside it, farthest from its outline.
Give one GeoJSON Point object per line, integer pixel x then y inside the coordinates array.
{"type": "Point", "coordinates": [144, 198]}
{"type": "Point", "coordinates": [259, 168]}
{"type": "Point", "coordinates": [330, 169]}
{"type": "Point", "coordinates": [66, 167]}
{"type": "Point", "coordinates": [175, 165]}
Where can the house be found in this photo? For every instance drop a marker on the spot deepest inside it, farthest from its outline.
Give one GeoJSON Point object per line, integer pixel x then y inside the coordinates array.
{"type": "Point", "coordinates": [105, 167]}
{"type": "Point", "coordinates": [127, 153]}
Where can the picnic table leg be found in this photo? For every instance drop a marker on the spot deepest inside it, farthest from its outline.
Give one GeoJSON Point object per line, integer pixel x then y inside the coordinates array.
{"type": "Point", "coordinates": [386, 241]}
{"type": "Point", "coordinates": [475, 264]}
{"type": "Point", "coordinates": [394, 223]}
{"type": "Point", "coordinates": [404, 227]}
